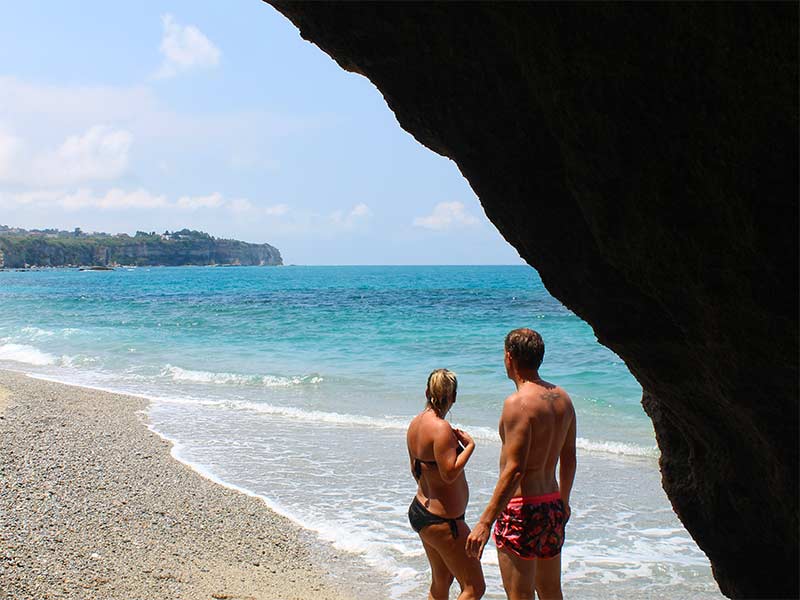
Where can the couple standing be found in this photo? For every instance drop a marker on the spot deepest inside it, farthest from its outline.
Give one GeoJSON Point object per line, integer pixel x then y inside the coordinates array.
{"type": "Point", "coordinates": [529, 507]}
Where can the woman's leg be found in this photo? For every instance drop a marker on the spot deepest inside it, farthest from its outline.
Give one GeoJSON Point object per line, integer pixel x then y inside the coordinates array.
{"type": "Point", "coordinates": [467, 570]}
{"type": "Point", "coordinates": [441, 577]}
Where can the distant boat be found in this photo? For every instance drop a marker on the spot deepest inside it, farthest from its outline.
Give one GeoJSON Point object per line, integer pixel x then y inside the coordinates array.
{"type": "Point", "coordinates": [97, 268]}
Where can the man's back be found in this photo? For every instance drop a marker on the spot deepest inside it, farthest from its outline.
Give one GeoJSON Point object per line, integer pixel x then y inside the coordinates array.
{"type": "Point", "coordinates": [546, 411]}
{"type": "Point", "coordinates": [530, 506]}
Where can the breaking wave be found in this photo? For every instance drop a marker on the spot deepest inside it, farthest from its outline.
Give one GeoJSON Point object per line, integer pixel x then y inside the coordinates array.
{"type": "Point", "coordinates": [179, 374]}
{"type": "Point", "coordinates": [23, 353]}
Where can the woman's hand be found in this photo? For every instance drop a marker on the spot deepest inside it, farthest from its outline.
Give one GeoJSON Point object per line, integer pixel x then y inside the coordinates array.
{"type": "Point", "coordinates": [463, 437]}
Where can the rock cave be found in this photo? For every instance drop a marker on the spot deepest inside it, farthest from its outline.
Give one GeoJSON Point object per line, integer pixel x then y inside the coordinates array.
{"type": "Point", "coordinates": [643, 158]}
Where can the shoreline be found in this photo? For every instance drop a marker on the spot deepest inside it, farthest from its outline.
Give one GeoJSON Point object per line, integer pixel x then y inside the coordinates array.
{"type": "Point", "coordinates": [93, 504]}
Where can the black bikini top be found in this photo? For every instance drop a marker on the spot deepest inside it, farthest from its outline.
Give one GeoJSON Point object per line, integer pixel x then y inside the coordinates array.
{"type": "Point", "coordinates": [418, 462]}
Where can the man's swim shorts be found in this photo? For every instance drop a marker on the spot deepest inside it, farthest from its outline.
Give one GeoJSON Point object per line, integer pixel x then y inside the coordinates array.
{"type": "Point", "coordinates": [532, 526]}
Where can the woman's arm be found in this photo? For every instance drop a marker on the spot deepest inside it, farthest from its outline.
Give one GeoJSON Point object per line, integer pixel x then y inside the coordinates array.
{"type": "Point", "coordinates": [445, 451]}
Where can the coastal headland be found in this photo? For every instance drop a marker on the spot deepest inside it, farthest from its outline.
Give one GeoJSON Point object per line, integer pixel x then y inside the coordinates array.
{"type": "Point", "coordinates": [20, 248]}
{"type": "Point", "coordinates": [92, 505]}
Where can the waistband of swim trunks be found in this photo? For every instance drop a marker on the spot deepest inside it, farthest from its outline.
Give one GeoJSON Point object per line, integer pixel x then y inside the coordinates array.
{"type": "Point", "coordinates": [520, 500]}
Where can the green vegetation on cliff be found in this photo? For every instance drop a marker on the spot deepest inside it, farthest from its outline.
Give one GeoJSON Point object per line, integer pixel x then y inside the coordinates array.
{"type": "Point", "coordinates": [55, 248]}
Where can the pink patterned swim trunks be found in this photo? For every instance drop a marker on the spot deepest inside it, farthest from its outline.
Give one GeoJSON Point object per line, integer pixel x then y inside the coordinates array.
{"type": "Point", "coordinates": [532, 526]}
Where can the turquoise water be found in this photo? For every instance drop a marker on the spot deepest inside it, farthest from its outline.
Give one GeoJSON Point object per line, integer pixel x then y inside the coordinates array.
{"type": "Point", "coordinates": [296, 383]}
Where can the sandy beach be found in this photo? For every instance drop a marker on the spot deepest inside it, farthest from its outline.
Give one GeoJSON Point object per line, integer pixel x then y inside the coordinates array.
{"type": "Point", "coordinates": [92, 505]}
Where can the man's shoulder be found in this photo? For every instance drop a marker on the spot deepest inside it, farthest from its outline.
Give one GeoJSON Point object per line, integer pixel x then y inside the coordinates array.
{"type": "Point", "coordinates": [516, 405]}
{"type": "Point", "coordinates": [533, 399]}
{"type": "Point", "coordinates": [554, 392]}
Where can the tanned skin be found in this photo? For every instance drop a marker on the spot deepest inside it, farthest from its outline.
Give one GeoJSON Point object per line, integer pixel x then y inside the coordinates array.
{"type": "Point", "coordinates": [537, 429]}
{"type": "Point", "coordinates": [443, 490]}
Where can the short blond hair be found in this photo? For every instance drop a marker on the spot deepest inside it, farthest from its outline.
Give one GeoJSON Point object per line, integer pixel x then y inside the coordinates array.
{"type": "Point", "coordinates": [442, 385]}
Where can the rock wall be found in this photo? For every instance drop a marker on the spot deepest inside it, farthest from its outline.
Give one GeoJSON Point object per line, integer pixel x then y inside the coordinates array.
{"type": "Point", "coordinates": [644, 159]}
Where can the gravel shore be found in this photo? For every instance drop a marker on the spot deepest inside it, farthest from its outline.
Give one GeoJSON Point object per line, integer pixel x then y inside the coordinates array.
{"type": "Point", "coordinates": [93, 506]}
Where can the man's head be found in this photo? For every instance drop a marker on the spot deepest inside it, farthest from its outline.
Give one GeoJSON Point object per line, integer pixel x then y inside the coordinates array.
{"type": "Point", "coordinates": [524, 350]}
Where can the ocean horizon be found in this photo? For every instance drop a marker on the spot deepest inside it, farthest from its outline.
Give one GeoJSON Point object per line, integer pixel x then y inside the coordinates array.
{"type": "Point", "coordinates": [296, 384]}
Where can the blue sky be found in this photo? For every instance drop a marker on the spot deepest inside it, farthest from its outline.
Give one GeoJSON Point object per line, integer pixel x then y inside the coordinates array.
{"type": "Point", "coordinates": [218, 116]}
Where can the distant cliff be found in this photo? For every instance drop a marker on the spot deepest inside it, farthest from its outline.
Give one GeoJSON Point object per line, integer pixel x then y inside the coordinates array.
{"type": "Point", "coordinates": [54, 248]}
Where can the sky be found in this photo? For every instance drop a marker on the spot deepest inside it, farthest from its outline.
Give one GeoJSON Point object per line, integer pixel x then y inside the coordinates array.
{"type": "Point", "coordinates": [217, 116]}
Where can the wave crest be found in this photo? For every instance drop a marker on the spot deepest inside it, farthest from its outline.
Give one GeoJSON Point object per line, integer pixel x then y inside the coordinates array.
{"type": "Point", "coordinates": [617, 448]}
{"type": "Point", "coordinates": [23, 353]}
{"type": "Point", "coordinates": [211, 377]}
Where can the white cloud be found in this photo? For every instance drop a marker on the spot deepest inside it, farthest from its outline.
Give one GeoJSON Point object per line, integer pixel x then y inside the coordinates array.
{"type": "Point", "coordinates": [99, 154]}
{"type": "Point", "coordinates": [276, 210]}
{"type": "Point", "coordinates": [240, 205]}
{"type": "Point", "coordinates": [358, 214]}
{"type": "Point", "coordinates": [76, 106]}
{"type": "Point", "coordinates": [9, 150]}
{"type": "Point", "coordinates": [244, 206]}
{"type": "Point", "coordinates": [194, 202]}
{"type": "Point", "coordinates": [360, 210]}
{"type": "Point", "coordinates": [184, 47]}
{"type": "Point", "coordinates": [446, 215]}
{"type": "Point", "coordinates": [40, 117]}
{"type": "Point", "coordinates": [31, 198]}
{"type": "Point", "coordinates": [115, 199]}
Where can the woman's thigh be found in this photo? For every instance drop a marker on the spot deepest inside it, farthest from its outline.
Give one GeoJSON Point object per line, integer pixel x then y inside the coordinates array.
{"type": "Point", "coordinates": [440, 574]}
{"type": "Point", "coordinates": [467, 570]}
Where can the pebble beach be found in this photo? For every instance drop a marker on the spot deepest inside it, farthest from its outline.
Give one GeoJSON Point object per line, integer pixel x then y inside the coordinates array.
{"type": "Point", "coordinates": [92, 505]}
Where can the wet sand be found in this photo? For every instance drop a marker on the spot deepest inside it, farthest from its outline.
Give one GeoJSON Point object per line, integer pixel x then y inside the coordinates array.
{"type": "Point", "coordinates": [92, 505]}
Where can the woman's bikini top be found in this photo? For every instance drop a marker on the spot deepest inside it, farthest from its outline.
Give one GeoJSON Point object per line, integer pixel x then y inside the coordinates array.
{"type": "Point", "coordinates": [418, 462]}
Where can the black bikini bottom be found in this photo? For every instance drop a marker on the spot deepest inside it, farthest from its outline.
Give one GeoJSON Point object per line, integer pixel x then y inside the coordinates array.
{"type": "Point", "coordinates": [420, 517]}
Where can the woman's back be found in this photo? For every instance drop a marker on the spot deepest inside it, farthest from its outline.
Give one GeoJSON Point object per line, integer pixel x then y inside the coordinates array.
{"type": "Point", "coordinates": [433, 451]}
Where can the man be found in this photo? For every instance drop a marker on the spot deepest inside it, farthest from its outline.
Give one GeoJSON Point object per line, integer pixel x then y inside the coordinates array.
{"type": "Point", "coordinates": [537, 429]}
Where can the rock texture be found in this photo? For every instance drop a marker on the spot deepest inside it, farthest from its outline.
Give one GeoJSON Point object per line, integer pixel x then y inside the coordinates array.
{"type": "Point", "coordinates": [643, 158]}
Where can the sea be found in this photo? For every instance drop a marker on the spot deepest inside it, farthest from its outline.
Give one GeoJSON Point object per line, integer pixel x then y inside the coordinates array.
{"type": "Point", "coordinates": [296, 384]}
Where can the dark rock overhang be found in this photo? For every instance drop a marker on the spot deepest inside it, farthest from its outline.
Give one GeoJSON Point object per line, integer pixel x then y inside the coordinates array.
{"type": "Point", "coordinates": [644, 159]}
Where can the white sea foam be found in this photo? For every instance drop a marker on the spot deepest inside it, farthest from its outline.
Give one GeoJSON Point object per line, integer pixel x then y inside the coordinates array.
{"type": "Point", "coordinates": [622, 448]}
{"type": "Point", "coordinates": [401, 423]}
{"type": "Point", "coordinates": [34, 333]}
{"type": "Point", "coordinates": [34, 356]}
{"type": "Point", "coordinates": [350, 540]}
{"type": "Point", "coordinates": [23, 353]}
{"type": "Point", "coordinates": [179, 374]}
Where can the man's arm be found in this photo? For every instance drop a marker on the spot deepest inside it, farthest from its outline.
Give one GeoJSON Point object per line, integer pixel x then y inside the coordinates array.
{"type": "Point", "coordinates": [567, 464]}
{"type": "Point", "coordinates": [517, 429]}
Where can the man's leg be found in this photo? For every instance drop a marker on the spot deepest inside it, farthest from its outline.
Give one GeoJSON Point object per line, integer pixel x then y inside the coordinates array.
{"type": "Point", "coordinates": [548, 578]}
{"type": "Point", "coordinates": [519, 575]}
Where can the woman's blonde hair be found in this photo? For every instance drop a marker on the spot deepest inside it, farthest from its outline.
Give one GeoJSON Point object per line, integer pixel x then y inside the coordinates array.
{"type": "Point", "coordinates": [442, 386]}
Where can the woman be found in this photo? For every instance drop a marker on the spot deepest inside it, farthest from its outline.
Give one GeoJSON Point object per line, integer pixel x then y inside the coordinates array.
{"type": "Point", "coordinates": [438, 454]}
